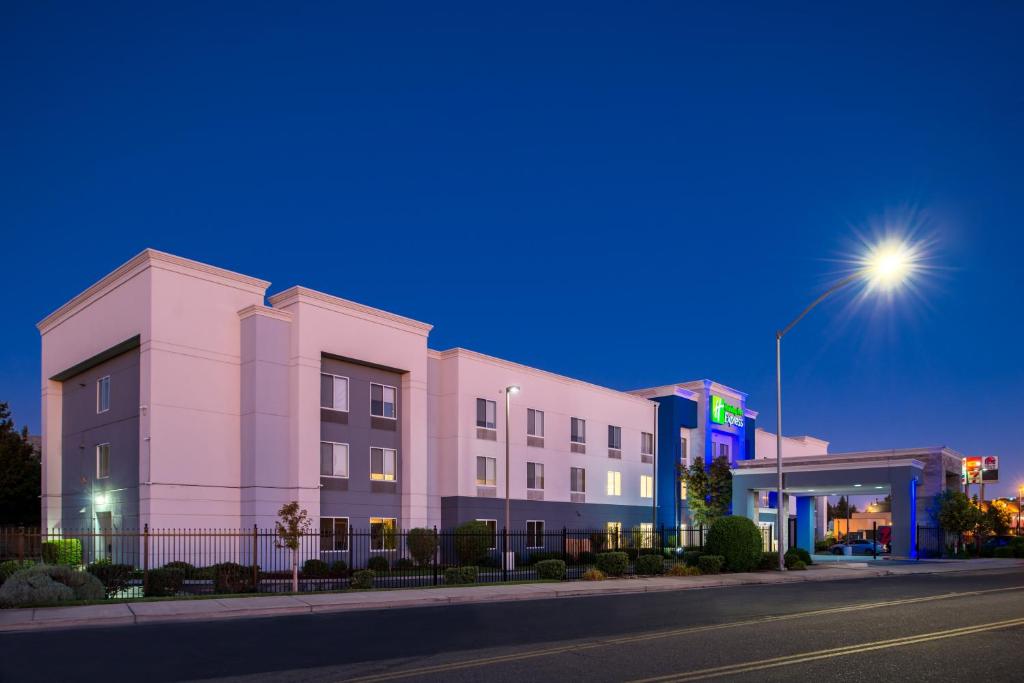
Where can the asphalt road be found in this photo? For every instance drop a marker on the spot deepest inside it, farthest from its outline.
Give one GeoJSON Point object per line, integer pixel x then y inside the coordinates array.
{"type": "Point", "coordinates": [927, 627]}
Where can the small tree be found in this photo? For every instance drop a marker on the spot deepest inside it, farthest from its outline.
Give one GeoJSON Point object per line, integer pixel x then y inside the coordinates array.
{"type": "Point", "coordinates": [955, 513]}
{"type": "Point", "coordinates": [996, 520]}
{"type": "Point", "coordinates": [698, 486]}
{"type": "Point", "coordinates": [422, 545]}
{"type": "Point", "coordinates": [19, 473]}
{"type": "Point", "coordinates": [292, 525]}
{"type": "Point", "coordinates": [720, 487]}
{"type": "Point", "coordinates": [472, 541]}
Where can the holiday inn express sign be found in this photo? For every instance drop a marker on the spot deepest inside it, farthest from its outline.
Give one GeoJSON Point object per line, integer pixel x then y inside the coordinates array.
{"type": "Point", "coordinates": [725, 414]}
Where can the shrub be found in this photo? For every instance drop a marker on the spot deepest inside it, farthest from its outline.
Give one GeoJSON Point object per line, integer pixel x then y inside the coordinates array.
{"type": "Point", "coordinates": [114, 577]}
{"type": "Point", "coordinates": [48, 584]}
{"type": "Point", "coordinates": [824, 544]}
{"type": "Point", "coordinates": [612, 564]}
{"type": "Point", "coordinates": [422, 545]}
{"type": "Point", "coordinates": [681, 569]}
{"type": "Point", "coordinates": [738, 540]}
{"type": "Point", "coordinates": [710, 564]}
{"type": "Point", "coordinates": [378, 564]}
{"type": "Point", "coordinates": [66, 551]}
{"type": "Point", "coordinates": [690, 557]}
{"type": "Point", "coordinates": [469, 574]}
{"type": "Point", "coordinates": [593, 574]}
{"type": "Point", "coordinates": [188, 569]}
{"type": "Point", "coordinates": [339, 568]}
{"type": "Point", "coordinates": [363, 578]}
{"type": "Point", "coordinates": [404, 563]}
{"type": "Point", "coordinates": [315, 569]}
{"type": "Point", "coordinates": [452, 576]}
{"type": "Point", "coordinates": [551, 569]}
{"type": "Point", "coordinates": [794, 554]}
{"type": "Point", "coordinates": [472, 541]}
{"type": "Point", "coordinates": [598, 541]}
{"type": "Point", "coordinates": [1005, 551]}
{"type": "Point", "coordinates": [799, 565]}
{"type": "Point", "coordinates": [231, 577]}
{"type": "Point", "coordinates": [769, 561]}
{"type": "Point", "coordinates": [164, 581]}
{"type": "Point", "coordinates": [650, 565]}
{"type": "Point", "coordinates": [10, 566]}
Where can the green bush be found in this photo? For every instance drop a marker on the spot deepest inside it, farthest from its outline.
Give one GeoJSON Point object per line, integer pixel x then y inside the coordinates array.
{"type": "Point", "coordinates": [710, 564]}
{"type": "Point", "coordinates": [613, 563]}
{"type": "Point", "coordinates": [681, 569]}
{"type": "Point", "coordinates": [738, 540]}
{"type": "Point", "coordinates": [66, 551]}
{"type": "Point", "coordinates": [378, 564]}
{"type": "Point", "coordinates": [651, 565]}
{"type": "Point", "coordinates": [469, 574]}
{"type": "Point", "coordinates": [1005, 551]}
{"type": "Point", "coordinates": [339, 568]}
{"type": "Point", "coordinates": [231, 577]}
{"type": "Point", "coordinates": [422, 545]}
{"type": "Point", "coordinates": [794, 554]}
{"type": "Point", "coordinates": [187, 568]}
{"type": "Point", "coordinates": [164, 581]}
{"type": "Point", "coordinates": [472, 541]}
{"type": "Point", "coordinates": [315, 569]}
{"type": "Point", "coordinates": [824, 544]}
{"type": "Point", "coordinates": [454, 576]}
{"type": "Point", "coordinates": [769, 561]}
{"type": "Point", "coordinates": [551, 569]}
{"type": "Point", "coordinates": [114, 577]}
{"type": "Point", "coordinates": [404, 563]}
{"type": "Point", "coordinates": [49, 584]}
{"type": "Point", "coordinates": [690, 557]}
{"type": "Point", "coordinates": [8, 567]}
{"type": "Point", "coordinates": [799, 565]}
{"type": "Point", "coordinates": [363, 578]}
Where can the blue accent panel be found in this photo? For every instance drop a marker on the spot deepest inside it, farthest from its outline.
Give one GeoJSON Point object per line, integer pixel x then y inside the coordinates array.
{"type": "Point", "coordinates": [912, 531]}
{"type": "Point", "coordinates": [674, 412]}
{"type": "Point", "coordinates": [773, 499]}
{"type": "Point", "coordinates": [749, 429]}
{"type": "Point", "coordinates": [805, 523]}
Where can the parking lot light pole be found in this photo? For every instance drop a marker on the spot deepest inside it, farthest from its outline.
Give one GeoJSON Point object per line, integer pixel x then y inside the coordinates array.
{"type": "Point", "coordinates": [509, 390]}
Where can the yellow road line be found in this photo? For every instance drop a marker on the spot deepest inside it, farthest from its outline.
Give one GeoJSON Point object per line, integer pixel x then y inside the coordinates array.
{"type": "Point", "coordinates": [759, 665]}
{"type": "Point", "coordinates": [656, 635]}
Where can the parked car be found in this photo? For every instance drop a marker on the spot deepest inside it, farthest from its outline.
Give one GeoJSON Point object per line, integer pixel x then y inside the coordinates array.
{"type": "Point", "coordinates": [858, 547]}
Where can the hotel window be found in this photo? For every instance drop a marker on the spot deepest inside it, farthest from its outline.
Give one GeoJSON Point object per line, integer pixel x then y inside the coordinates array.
{"type": "Point", "coordinates": [334, 534]}
{"type": "Point", "coordinates": [684, 450]}
{"type": "Point", "coordinates": [383, 464]}
{"type": "Point", "coordinates": [614, 483]}
{"type": "Point", "coordinates": [535, 533]}
{"type": "Point", "coordinates": [646, 486]}
{"type": "Point", "coordinates": [103, 461]}
{"type": "Point", "coordinates": [492, 527]}
{"type": "Point", "coordinates": [383, 401]}
{"type": "Point", "coordinates": [577, 480]}
{"type": "Point", "coordinates": [334, 392]}
{"type": "Point", "coordinates": [534, 475]}
{"type": "Point", "coordinates": [615, 437]}
{"type": "Point", "coordinates": [682, 489]}
{"type": "Point", "coordinates": [614, 531]}
{"type": "Point", "coordinates": [486, 412]}
{"type": "Point", "coordinates": [577, 430]}
{"type": "Point", "coordinates": [646, 443]}
{"type": "Point", "coordinates": [382, 533]}
{"type": "Point", "coordinates": [333, 459]}
{"type": "Point", "coordinates": [485, 471]}
{"type": "Point", "coordinates": [534, 422]}
{"type": "Point", "coordinates": [646, 535]}
{"type": "Point", "coordinates": [103, 394]}
{"type": "Point", "coordinates": [723, 450]}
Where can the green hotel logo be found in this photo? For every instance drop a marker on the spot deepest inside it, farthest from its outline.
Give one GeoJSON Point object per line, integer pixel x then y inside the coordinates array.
{"type": "Point", "coordinates": [725, 414]}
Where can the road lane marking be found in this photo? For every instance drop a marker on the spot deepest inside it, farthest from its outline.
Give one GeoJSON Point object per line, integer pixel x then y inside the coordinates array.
{"type": "Point", "coordinates": [623, 640]}
{"type": "Point", "coordinates": [803, 657]}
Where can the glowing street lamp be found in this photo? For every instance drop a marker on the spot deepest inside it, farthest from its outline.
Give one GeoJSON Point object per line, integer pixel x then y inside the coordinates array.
{"type": "Point", "coordinates": [884, 267]}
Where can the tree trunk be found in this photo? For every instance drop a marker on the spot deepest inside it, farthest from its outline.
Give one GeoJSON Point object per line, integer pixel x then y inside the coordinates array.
{"type": "Point", "coordinates": [295, 571]}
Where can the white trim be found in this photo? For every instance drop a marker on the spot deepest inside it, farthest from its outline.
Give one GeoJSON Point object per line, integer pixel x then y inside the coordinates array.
{"type": "Point", "coordinates": [383, 386]}
{"type": "Point", "coordinates": [617, 488]}
{"type": "Point", "coordinates": [394, 529]}
{"type": "Point", "coordinates": [98, 447]}
{"type": "Point", "coordinates": [99, 383]}
{"type": "Point", "coordinates": [337, 304]}
{"type": "Point", "coordinates": [542, 531]}
{"type": "Point", "coordinates": [348, 533]}
{"type": "Point", "coordinates": [531, 462]}
{"type": "Point", "coordinates": [348, 392]}
{"type": "Point", "coordinates": [495, 461]}
{"type": "Point", "coordinates": [827, 467]}
{"type": "Point", "coordinates": [543, 418]}
{"type": "Point", "coordinates": [476, 418]}
{"type": "Point", "coordinates": [619, 446]}
{"type": "Point", "coordinates": [583, 420]}
{"type": "Point", "coordinates": [485, 521]}
{"type": "Point", "coordinates": [348, 460]}
{"type": "Point", "coordinates": [574, 467]}
{"type": "Point", "coordinates": [383, 474]}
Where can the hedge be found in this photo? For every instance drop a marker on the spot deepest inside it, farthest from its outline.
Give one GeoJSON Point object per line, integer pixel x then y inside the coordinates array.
{"type": "Point", "coordinates": [231, 577]}
{"type": "Point", "coordinates": [613, 563]}
{"type": "Point", "coordinates": [164, 581]}
{"type": "Point", "coordinates": [472, 542]}
{"type": "Point", "coordinates": [114, 577]}
{"type": "Point", "coordinates": [315, 569]}
{"type": "Point", "coordinates": [710, 564]}
{"type": "Point", "coordinates": [363, 579]}
{"type": "Point", "coordinates": [458, 575]}
{"type": "Point", "coordinates": [49, 584]}
{"type": "Point", "coordinates": [66, 551]}
{"type": "Point", "coordinates": [378, 564]}
{"type": "Point", "coordinates": [551, 569]}
{"type": "Point", "coordinates": [738, 540]}
{"type": "Point", "coordinates": [794, 554]}
{"type": "Point", "coordinates": [690, 557]}
{"type": "Point", "coordinates": [650, 565]}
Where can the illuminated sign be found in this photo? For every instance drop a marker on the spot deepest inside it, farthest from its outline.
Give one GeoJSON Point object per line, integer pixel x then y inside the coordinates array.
{"type": "Point", "coordinates": [724, 414]}
{"type": "Point", "coordinates": [990, 469]}
{"type": "Point", "coordinates": [972, 470]}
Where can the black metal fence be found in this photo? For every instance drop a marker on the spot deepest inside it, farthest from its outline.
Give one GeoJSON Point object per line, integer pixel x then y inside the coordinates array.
{"type": "Point", "coordinates": [257, 559]}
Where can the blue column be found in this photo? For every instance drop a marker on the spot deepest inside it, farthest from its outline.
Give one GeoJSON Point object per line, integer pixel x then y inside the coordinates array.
{"type": "Point", "coordinates": [805, 523]}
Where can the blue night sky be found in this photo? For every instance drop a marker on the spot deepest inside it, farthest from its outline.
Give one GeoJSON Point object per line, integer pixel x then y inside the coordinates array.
{"type": "Point", "coordinates": [629, 194]}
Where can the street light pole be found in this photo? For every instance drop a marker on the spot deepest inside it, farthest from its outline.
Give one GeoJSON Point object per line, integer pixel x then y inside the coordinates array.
{"type": "Point", "coordinates": [1020, 494]}
{"type": "Point", "coordinates": [509, 390]}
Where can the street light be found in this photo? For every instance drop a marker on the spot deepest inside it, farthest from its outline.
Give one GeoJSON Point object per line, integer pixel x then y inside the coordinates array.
{"type": "Point", "coordinates": [884, 266]}
{"type": "Point", "coordinates": [1020, 494]}
{"type": "Point", "coordinates": [509, 390]}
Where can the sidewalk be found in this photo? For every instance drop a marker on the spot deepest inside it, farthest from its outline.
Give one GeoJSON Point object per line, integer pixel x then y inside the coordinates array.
{"type": "Point", "coordinates": [120, 614]}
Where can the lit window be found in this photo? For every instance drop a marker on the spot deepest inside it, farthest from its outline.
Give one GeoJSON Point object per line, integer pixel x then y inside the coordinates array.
{"type": "Point", "coordinates": [682, 489]}
{"type": "Point", "coordinates": [614, 531]}
{"type": "Point", "coordinates": [535, 533]}
{"type": "Point", "coordinates": [646, 534]}
{"type": "Point", "coordinates": [492, 527]}
{"type": "Point", "coordinates": [646, 486]}
{"type": "Point", "coordinates": [614, 483]}
{"type": "Point", "coordinates": [333, 534]}
{"type": "Point", "coordinates": [103, 461]}
{"type": "Point", "coordinates": [333, 459]}
{"type": "Point", "coordinates": [534, 422]}
{"type": "Point", "coordinates": [646, 443]}
{"type": "Point", "coordinates": [103, 394]}
{"type": "Point", "coordinates": [383, 401]}
{"type": "Point", "coordinates": [333, 392]}
{"type": "Point", "coordinates": [485, 471]}
{"type": "Point", "coordinates": [383, 463]}
{"type": "Point", "coordinates": [578, 430]}
{"type": "Point", "coordinates": [382, 533]}
{"type": "Point", "coordinates": [614, 437]}
{"type": "Point", "coordinates": [534, 475]}
{"type": "Point", "coordinates": [577, 480]}
{"type": "Point", "coordinates": [486, 412]}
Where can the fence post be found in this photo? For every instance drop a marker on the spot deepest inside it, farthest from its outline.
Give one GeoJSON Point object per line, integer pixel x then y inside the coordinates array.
{"type": "Point", "coordinates": [437, 549]}
{"type": "Point", "coordinates": [701, 539]}
{"type": "Point", "coordinates": [874, 540]}
{"type": "Point", "coordinates": [917, 543]}
{"type": "Point", "coordinates": [145, 559]}
{"type": "Point", "coordinates": [504, 553]}
{"type": "Point", "coordinates": [565, 544]}
{"type": "Point", "coordinates": [255, 567]}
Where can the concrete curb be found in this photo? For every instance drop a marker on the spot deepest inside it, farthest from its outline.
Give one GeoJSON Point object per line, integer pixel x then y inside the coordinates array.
{"type": "Point", "coordinates": [124, 614]}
